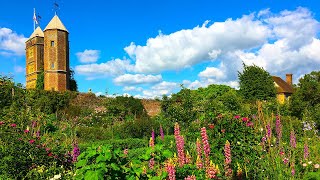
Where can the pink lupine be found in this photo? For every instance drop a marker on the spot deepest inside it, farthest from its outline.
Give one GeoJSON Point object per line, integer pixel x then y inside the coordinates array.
{"type": "Point", "coordinates": [161, 133]}
{"type": "Point", "coordinates": [278, 128]}
{"type": "Point", "coordinates": [236, 116]}
{"type": "Point", "coordinates": [199, 162]}
{"type": "Point", "coordinates": [206, 146]}
{"type": "Point", "coordinates": [227, 162]}
{"type": "Point", "coordinates": [170, 170]}
{"type": "Point", "coordinates": [193, 177]}
{"type": "Point", "coordinates": [179, 144]}
{"type": "Point", "coordinates": [180, 149]}
{"type": "Point", "coordinates": [151, 163]}
{"type": "Point", "coordinates": [212, 171]}
{"type": "Point", "coordinates": [305, 151]}
{"type": "Point", "coordinates": [293, 139]}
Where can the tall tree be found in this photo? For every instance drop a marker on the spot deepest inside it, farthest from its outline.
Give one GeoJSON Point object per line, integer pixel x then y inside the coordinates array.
{"type": "Point", "coordinates": [256, 83]}
{"type": "Point", "coordinates": [72, 82]}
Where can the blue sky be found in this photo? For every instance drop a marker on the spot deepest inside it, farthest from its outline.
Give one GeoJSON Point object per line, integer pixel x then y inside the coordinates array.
{"type": "Point", "coordinates": [148, 48]}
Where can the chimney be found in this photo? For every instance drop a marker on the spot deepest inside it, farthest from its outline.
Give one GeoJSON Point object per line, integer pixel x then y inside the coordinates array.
{"type": "Point", "coordinates": [289, 79]}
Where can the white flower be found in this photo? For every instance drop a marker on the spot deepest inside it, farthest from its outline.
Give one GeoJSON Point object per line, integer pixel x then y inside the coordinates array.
{"type": "Point", "coordinates": [310, 162]}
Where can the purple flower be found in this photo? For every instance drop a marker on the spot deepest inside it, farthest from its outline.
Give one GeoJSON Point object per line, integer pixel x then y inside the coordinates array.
{"type": "Point", "coordinates": [31, 141]}
{"type": "Point", "coordinates": [75, 153]}
{"type": "Point", "coordinates": [268, 131]}
{"type": "Point", "coordinates": [278, 128]}
{"type": "Point", "coordinates": [161, 133]}
{"type": "Point", "coordinates": [38, 134]}
{"type": "Point", "coordinates": [34, 124]}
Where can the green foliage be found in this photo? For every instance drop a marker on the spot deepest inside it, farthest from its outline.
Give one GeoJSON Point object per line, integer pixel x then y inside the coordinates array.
{"type": "Point", "coordinates": [123, 106]}
{"type": "Point", "coordinates": [40, 81]}
{"type": "Point", "coordinates": [256, 83]}
{"type": "Point", "coordinates": [305, 102]}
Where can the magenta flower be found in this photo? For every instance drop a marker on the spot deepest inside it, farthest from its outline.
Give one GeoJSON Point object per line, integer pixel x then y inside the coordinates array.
{"type": "Point", "coordinates": [47, 149]}
{"type": "Point", "coordinates": [249, 124]}
{"type": "Point", "coordinates": [293, 139]}
{"type": "Point", "coordinates": [13, 125]}
{"type": "Point", "coordinates": [161, 133]}
{"type": "Point", "coordinates": [293, 171]}
{"type": "Point", "coordinates": [26, 131]}
{"type": "Point", "coordinates": [31, 141]}
{"type": "Point", "coordinates": [75, 153]}
{"type": "Point", "coordinates": [38, 134]}
{"type": "Point", "coordinates": [34, 124]}
{"type": "Point", "coordinates": [236, 116]}
{"type": "Point", "coordinates": [285, 160]}
{"type": "Point", "coordinates": [245, 119]}
{"type": "Point", "coordinates": [1, 123]}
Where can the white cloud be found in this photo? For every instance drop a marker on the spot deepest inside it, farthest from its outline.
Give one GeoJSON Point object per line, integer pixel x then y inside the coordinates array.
{"type": "Point", "coordinates": [133, 79]}
{"type": "Point", "coordinates": [99, 93]}
{"type": "Point", "coordinates": [158, 90]}
{"type": "Point", "coordinates": [88, 56]}
{"type": "Point", "coordinates": [132, 88]}
{"type": "Point", "coordinates": [212, 72]}
{"type": "Point", "coordinates": [188, 47]}
{"type": "Point", "coordinates": [11, 43]}
{"type": "Point", "coordinates": [110, 68]}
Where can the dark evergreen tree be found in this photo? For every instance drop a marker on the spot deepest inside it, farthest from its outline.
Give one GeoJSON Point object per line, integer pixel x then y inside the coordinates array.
{"type": "Point", "coordinates": [72, 82]}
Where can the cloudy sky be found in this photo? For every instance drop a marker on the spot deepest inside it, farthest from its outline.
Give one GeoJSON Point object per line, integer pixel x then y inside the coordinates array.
{"type": "Point", "coordinates": [147, 48]}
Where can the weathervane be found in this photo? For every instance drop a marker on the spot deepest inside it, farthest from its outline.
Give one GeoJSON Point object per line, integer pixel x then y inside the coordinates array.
{"type": "Point", "coordinates": [55, 7]}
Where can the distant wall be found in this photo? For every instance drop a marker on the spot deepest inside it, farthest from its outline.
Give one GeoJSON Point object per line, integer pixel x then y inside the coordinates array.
{"type": "Point", "coordinates": [152, 107]}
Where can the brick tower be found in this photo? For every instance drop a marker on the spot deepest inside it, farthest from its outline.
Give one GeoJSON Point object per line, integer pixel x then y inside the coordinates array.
{"type": "Point", "coordinates": [34, 57]}
{"type": "Point", "coordinates": [56, 56]}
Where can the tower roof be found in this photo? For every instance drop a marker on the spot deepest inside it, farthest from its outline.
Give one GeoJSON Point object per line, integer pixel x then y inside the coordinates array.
{"type": "Point", "coordinates": [37, 32]}
{"type": "Point", "coordinates": [56, 23]}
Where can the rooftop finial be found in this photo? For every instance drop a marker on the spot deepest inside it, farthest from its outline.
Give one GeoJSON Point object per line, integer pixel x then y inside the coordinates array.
{"type": "Point", "coordinates": [55, 7]}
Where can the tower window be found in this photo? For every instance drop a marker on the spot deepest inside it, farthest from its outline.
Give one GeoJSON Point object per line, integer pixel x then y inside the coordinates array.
{"type": "Point", "coordinates": [52, 43]}
{"type": "Point", "coordinates": [52, 65]}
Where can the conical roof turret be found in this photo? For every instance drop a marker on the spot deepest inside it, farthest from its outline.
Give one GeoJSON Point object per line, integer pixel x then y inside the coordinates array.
{"type": "Point", "coordinates": [56, 23]}
{"type": "Point", "coordinates": [37, 32]}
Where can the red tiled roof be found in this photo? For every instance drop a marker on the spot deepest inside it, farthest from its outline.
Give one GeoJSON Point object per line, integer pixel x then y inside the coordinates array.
{"type": "Point", "coordinates": [283, 86]}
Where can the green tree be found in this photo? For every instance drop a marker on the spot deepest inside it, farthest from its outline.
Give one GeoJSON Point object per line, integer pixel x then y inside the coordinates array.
{"type": "Point", "coordinates": [256, 83]}
{"type": "Point", "coordinates": [40, 80]}
{"type": "Point", "coordinates": [72, 82]}
{"type": "Point", "coordinates": [307, 97]}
